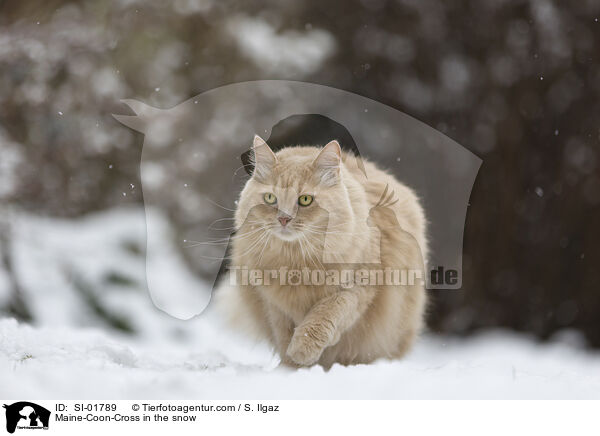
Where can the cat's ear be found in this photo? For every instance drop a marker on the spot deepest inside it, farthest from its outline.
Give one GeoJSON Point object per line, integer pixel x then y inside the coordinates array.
{"type": "Point", "coordinates": [327, 164]}
{"type": "Point", "coordinates": [263, 159]}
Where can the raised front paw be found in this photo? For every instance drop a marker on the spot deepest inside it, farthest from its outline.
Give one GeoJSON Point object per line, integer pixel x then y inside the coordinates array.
{"type": "Point", "coordinates": [306, 346]}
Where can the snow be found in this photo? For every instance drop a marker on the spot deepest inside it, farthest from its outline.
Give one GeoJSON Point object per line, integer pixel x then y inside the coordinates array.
{"type": "Point", "coordinates": [289, 52]}
{"type": "Point", "coordinates": [539, 191]}
{"type": "Point", "coordinates": [74, 352]}
{"type": "Point", "coordinates": [66, 363]}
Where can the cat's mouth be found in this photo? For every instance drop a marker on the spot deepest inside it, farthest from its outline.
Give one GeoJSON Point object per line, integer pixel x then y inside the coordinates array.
{"type": "Point", "coordinates": [286, 233]}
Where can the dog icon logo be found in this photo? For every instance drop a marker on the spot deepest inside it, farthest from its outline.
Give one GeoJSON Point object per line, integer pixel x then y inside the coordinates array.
{"type": "Point", "coordinates": [26, 415]}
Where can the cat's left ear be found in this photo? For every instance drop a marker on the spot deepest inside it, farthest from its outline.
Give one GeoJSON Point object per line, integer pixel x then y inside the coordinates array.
{"type": "Point", "coordinates": [327, 163]}
{"type": "Point", "coordinates": [263, 159]}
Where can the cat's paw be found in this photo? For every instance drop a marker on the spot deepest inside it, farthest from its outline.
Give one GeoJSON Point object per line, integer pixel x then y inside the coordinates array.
{"type": "Point", "coordinates": [304, 348]}
{"type": "Point", "coordinates": [287, 364]}
{"type": "Point", "coordinates": [303, 352]}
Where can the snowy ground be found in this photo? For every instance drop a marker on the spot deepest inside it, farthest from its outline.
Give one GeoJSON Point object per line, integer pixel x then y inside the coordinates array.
{"type": "Point", "coordinates": [77, 352]}
{"type": "Point", "coordinates": [63, 363]}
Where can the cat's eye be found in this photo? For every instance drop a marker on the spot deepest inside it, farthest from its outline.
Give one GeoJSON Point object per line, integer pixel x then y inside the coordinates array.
{"type": "Point", "coordinates": [270, 198]}
{"type": "Point", "coordinates": [305, 200]}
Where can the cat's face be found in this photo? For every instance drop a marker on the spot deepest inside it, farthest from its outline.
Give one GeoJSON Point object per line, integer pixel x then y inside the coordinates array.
{"type": "Point", "coordinates": [295, 195]}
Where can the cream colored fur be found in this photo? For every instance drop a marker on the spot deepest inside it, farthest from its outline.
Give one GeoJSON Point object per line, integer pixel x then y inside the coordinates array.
{"type": "Point", "coordinates": [345, 227]}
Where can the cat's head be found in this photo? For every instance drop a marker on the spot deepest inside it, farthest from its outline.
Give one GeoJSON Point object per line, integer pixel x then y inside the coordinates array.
{"type": "Point", "coordinates": [295, 194]}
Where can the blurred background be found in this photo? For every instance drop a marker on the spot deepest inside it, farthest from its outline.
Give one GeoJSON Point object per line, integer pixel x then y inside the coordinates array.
{"type": "Point", "coordinates": [517, 82]}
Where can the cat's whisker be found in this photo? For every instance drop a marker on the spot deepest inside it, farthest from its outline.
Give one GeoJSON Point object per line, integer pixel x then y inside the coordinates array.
{"type": "Point", "coordinates": [223, 241]}
{"type": "Point", "coordinates": [248, 238]}
{"type": "Point", "coordinates": [331, 233]}
{"type": "Point", "coordinates": [329, 228]}
{"type": "Point", "coordinates": [255, 244]}
{"type": "Point", "coordinates": [263, 248]}
{"type": "Point", "coordinates": [314, 253]}
{"type": "Point", "coordinates": [260, 239]}
{"type": "Point", "coordinates": [210, 226]}
{"type": "Point", "coordinates": [307, 249]}
{"type": "Point", "coordinates": [199, 244]}
{"type": "Point", "coordinates": [218, 205]}
{"type": "Point", "coordinates": [223, 219]}
{"type": "Point", "coordinates": [212, 242]}
{"type": "Point", "coordinates": [302, 249]}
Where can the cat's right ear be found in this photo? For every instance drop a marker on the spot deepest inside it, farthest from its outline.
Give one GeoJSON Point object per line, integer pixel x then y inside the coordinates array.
{"type": "Point", "coordinates": [327, 163]}
{"type": "Point", "coordinates": [263, 159]}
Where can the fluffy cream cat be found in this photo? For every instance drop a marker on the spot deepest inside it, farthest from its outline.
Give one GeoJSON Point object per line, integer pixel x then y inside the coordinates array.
{"type": "Point", "coordinates": [316, 258]}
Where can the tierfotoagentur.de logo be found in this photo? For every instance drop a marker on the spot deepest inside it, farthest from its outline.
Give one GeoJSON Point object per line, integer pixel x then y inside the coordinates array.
{"type": "Point", "coordinates": [24, 415]}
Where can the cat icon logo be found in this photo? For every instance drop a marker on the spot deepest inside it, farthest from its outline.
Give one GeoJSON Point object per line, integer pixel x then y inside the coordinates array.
{"type": "Point", "coordinates": [195, 162]}
{"type": "Point", "coordinates": [24, 415]}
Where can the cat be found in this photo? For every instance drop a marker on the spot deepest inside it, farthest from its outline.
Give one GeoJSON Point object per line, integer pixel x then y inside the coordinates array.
{"type": "Point", "coordinates": [315, 210]}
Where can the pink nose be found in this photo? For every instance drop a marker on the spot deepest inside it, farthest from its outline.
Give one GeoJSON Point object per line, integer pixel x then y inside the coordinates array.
{"type": "Point", "coordinates": [284, 220]}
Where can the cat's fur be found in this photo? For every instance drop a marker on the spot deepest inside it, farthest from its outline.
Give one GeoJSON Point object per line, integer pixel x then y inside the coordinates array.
{"type": "Point", "coordinates": [309, 324]}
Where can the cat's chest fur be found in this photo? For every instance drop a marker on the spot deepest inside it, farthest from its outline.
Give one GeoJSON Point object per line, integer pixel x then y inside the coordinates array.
{"type": "Point", "coordinates": [293, 301]}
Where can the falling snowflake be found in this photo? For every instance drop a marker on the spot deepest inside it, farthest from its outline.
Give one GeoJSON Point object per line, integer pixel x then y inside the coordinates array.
{"type": "Point", "coordinates": [539, 192]}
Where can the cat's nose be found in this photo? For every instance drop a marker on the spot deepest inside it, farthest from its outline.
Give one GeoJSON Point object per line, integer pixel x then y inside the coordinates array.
{"type": "Point", "coordinates": [284, 220]}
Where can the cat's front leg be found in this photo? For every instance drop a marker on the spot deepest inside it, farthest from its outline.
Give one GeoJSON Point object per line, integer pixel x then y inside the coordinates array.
{"type": "Point", "coordinates": [325, 323]}
{"type": "Point", "coordinates": [309, 342]}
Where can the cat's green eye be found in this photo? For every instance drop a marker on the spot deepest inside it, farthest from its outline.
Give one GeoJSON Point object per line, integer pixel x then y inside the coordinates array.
{"type": "Point", "coordinates": [270, 198]}
{"type": "Point", "coordinates": [305, 200]}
